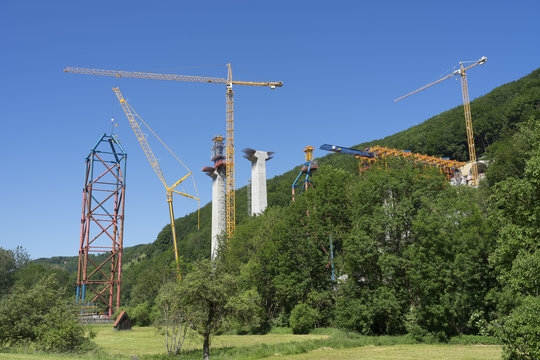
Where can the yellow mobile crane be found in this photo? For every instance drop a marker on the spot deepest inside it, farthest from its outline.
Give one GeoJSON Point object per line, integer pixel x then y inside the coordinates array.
{"type": "Point", "coordinates": [230, 194]}
{"type": "Point", "coordinates": [466, 107]}
{"type": "Point", "coordinates": [130, 114]}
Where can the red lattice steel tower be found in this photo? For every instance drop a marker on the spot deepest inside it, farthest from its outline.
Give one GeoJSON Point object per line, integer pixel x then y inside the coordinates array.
{"type": "Point", "coordinates": [102, 224]}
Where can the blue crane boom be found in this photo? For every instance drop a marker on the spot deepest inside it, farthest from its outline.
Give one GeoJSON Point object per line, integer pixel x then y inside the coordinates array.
{"type": "Point", "coordinates": [346, 150]}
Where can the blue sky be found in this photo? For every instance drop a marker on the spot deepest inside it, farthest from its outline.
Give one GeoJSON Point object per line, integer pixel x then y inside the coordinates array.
{"type": "Point", "coordinates": [342, 63]}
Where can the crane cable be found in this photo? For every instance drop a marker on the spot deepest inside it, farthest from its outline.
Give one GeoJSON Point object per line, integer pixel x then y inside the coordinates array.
{"type": "Point", "coordinates": [176, 157]}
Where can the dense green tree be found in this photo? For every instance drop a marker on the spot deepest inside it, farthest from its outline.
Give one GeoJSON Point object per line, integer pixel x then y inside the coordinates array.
{"type": "Point", "coordinates": [449, 272]}
{"type": "Point", "coordinates": [11, 261]}
{"type": "Point", "coordinates": [7, 268]}
{"type": "Point", "coordinates": [205, 298]}
{"type": "Point", "coordinates": [42, 315]}
{"type": "Point", "coordinates": [142, 280]}
{"type": "Point", "coordinates": [515, 211]}
{"type": "Point", "coordinates": [283, 254]}
{"type": "Point", "coordinates": [515, 204]}
{"type": "Point", "coordinates": [33, 273]}
{"type": "Point", "coordinates": [520, 331]}
{"type": "Point", "coordinates": [508, 157]}
{"type": "Point", "coordinates": [171, 319]}
{"type": "Point", "coordinates": [303, 318]}
{"type": "Point", "coordinates": [383, 204]}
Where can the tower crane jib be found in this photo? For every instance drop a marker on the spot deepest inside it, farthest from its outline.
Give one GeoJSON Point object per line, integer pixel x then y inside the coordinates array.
{"type": "Point", "coordinates": [462, 71]}
{"type": "Point", "coordinates": [229, 82]}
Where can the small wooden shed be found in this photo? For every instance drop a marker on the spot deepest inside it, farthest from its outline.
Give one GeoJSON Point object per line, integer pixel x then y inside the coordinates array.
{"type": "Point", "coordinates": [122, 322]}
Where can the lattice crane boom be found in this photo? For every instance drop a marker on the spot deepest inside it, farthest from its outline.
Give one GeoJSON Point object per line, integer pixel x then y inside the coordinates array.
{"type": "Point", "coordinates": [466, 108]}
{"type": "Point", "coordinates": [155, 165]}
{"type": "Point", "coordinates": [173, 77]}
{"type": "Point", "coordinates": [140, 136]}
{"type": "Point", "coordinates": [230, 180]}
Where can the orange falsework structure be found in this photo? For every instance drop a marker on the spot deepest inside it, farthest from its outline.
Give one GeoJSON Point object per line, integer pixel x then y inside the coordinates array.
{"type": "Point", "coordinates": [370, 155]}
{"type": "Point", "coordinates": [448, 167]}
{"type": "Point", "coordinates": [102, 225]}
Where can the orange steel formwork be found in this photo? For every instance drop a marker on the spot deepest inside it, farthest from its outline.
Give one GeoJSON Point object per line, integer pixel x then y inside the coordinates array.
{"type": "Point", "coordinates": [102, 225]}
{"type": "Point", "coordinates": [447, 166]}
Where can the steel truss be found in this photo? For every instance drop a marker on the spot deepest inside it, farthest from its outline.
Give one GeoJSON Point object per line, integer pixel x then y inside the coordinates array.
{"type": "Point", "coordinates": [102, 224]}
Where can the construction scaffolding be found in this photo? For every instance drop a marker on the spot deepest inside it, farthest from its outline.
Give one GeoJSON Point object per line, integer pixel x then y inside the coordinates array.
{"type": "Point", "coordinates": [446, 166]}
{"type": "Point", "coordinates": [307, 169]}
{"type": "Point", "coordinates": [369, 155]}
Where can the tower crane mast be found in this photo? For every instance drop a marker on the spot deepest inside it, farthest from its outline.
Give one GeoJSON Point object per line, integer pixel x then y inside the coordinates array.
{"type": "Point", "coordinates": [230, 187]}
{"type": "Point", "coordinates": [466, 108]}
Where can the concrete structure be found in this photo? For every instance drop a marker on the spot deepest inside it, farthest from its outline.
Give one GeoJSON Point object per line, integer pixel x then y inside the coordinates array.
{"type": "Point", "coordinates": [464, 175]}
{"type": "Point", "coordinates": [217, 173]}
{"type": "Point", "coordinates": [258, 160]}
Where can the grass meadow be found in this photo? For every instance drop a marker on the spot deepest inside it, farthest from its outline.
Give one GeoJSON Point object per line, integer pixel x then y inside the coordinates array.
{"type": "Point", "coordinates": [143, 343]}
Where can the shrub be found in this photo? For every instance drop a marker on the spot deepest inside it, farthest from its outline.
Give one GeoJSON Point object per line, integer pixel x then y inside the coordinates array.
{"type": "Point", "coordinates": [353, 314]}
{"type": "Point", "coordinates": [414, 330]}
{"type": "Point", "coordinates": [42, 315]}
{"type": "Point", "coordinates": [520, 331]}
{"type": "Point", "coordinates": [60, 331]}
{"type": "Point", "coordinates": [141, 314]}
{"type": "Point", "coordinates": [303, 319]}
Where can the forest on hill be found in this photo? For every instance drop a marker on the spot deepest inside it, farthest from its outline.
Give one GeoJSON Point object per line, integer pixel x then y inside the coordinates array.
{"type": "Point", "coordinates": [411, 254]}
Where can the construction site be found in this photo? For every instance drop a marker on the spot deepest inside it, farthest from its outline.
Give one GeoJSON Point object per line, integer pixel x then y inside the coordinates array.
{"type": "Point", "coordinates": [102, 220]}
{"type": "Point", "coordinates": [270, 180]}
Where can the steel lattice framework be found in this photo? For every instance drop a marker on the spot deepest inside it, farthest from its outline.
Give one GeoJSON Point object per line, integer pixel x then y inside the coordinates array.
{"type": "Point", "coordinates": [102, 224]}
{"type": "Point", "coordinates": [307, 170]}
{"type": "Point", "coordinates": [230, 181]}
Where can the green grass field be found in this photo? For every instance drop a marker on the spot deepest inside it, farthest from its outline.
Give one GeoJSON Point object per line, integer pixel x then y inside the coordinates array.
{"type": "Point", "coordinates": [403, 352]}
{"type": "Point", "coordinates": [147, 342]}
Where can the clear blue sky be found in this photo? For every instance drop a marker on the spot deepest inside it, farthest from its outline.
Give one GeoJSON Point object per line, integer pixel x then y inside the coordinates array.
{"type": "Point", "coordinates": [341, 63]}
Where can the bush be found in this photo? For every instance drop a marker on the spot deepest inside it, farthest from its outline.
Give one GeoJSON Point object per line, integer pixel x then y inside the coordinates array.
{"type": "Point", "coordinates": [353, 314]}
{"type": "Point", "coordinates": [415, 331]}
{"type": "Point", "coordinates": [61, 331]}
{"type": "Point", "coordinates": [474, 340]}
{"type": "Point", "coordinates": [520, 331]}
{"type": "Point", "coordinates": [141, 314]}
{"type": "Point", "coordinates": [303, 319]}
{"type": "Point", "coordinates": [42, 315]}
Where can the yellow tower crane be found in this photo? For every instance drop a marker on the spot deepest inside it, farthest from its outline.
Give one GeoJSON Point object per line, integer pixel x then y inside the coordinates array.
{"type": "Point", "coordinates": [466, 107]}
{"type": "Point", "coordinates": [131, 114]}
{"type": "Point", "coordinates": [230, 194]}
